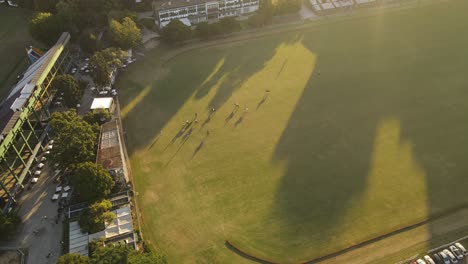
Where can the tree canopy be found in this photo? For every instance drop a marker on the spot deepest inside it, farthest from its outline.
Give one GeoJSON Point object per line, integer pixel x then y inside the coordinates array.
{"type": "Point", "coordinates": [97, 117]}
{"type": "Point", "coordinates": [96, 216]}
{"type": "Point", "coordinates": [88, 40]}
{"type": "Point", "coordinates": [176, 32]}
{"type": "Point", "coordinates": [103, 62]}
{"type": "Point", "coordinates": [45, 5]}
{"type": "Point", "coordinates": [69, 86]}
{"type": "Point", "coordinates": [8, 224]}
{"type": "Point", "coordinates": [91, 181]}
{"type": "Point", "coordinates": [125, 35]}
{"type": "Point", "coordinates": [46, 27]}
{"type": "Point", "coordinates": [122, 254]}
{"type": "Point", "coordinates": [146, 258]}
{"type": "Point", "coordinates": [72, 258]}
{"type": "Point", "coordinates": [111, 254]}
{"type": "Point", "coordinates": [74, 139]}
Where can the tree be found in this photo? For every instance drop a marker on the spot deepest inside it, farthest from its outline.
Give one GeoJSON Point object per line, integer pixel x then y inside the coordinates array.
{"type": "Point", "coordinates": [88, 40]}
{"type": "Point", "coordinates": [8, 224]}
{"type": "Point", "coordinates": [69, 86]}
{"type": "Point", "coordinates": [91, 181]}
{"type": "Point", "coordinates": [119, 15]}
{"type": "Point", "coordinates": [146, 258]}
{"type": "Point", "coordinates": [176, 32]}
{"type": "Point", "coordinates": [125, 35]}
{"type": "Point", "coordinates": [111, 254]}
{"type": "Point", "coordinates": [263, 16]}
{"type": "Point", "coordinates": [205, 30]}
{"type": "Point", "coordinates": [46, 27]}
{"type": "Point", "coordinates": [101, 73]}
{"type": "Point", "coordinates": [229, 25]}
{"type": "Point", "coordinates": [45, 5]}
{"type": "Point", "coordinates": [97, 117]}
{"type": "Point", "coordinates": [73, 258]}
{"type": "Point", "coordinates": [74, 139]}
{"type": "Point", "coordinates": [104, 62]}
{"type": "Point", "coordinates": [81, 14]}
{"type": "Point", "coordinates": [94, 218]}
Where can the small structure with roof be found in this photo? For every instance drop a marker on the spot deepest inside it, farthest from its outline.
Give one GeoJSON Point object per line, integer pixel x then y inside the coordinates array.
{"type": "Point", "coordinates": [106, 103]}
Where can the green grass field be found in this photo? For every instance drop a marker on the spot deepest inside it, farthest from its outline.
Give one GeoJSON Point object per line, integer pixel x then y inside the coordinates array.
{"type": "Point", "coordinates": [14, 38]}
{"type": "Point", "coordinates": [364, 131]}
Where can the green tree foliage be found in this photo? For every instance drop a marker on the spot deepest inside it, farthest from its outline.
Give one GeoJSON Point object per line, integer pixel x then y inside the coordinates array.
{"type": "Point", "coordinates": [72, 258]}
{"type": "Point", "coordinates": [125, 35]}
{"type": "Point", "coordinates": [97, 117]}
{"type": "Point", "coordinates": [91, 181]}
{"type": "Point", "coordinates": [103, 62]}
{"type": "Point", "coordinates": [147, 23]}
{"type": "Point", "coordinates": [88, 40]}
{"type": "Point", "coordinates": [81, 14]}
{"type": "Point", "coordinates": [205, 30]}
{"type": "Point", "coordinates": [263, 16]}
{"type": "Point", "coordinates": [111, 254]}
{"type": "Point", "coordinates": [119, 15]}
{"type": "Point", "coordinates": [74, 139]}
{"type": "Point", "coordinates": [45, 5]}
{"type": "Point", "coordinates": [69, 86]}
{"type": "Point", "coordinates": [46, 27]}
{"type": "Point", "coordinates": [286, 6]}
{"type": "Point", "coordinates": [8, 224]}
{"type": "Point", "coordinates": [94, 218]}
{"type": "Point", "coordinates": [146, 258]}
{"type": "Point", "coordinates": [229, 25]}
{"type": "Point", "coordinates": [116, 254]}
{"type": "Point", "coordinates": [176, 32]}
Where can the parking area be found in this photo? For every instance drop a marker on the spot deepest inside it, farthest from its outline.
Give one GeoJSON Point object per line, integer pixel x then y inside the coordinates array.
{"type": "Point", "coordinates": [41, 229]}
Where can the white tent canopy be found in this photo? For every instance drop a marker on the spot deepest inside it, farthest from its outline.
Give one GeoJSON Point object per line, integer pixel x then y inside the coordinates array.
{"type": "Point", "coordinates": [103, 102]}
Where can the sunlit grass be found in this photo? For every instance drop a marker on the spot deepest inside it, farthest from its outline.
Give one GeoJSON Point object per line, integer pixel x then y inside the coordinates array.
{"type": "Point", "coordinates": [359, 134]}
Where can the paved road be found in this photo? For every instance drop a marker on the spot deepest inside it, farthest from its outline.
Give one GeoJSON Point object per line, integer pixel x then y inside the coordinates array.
{"type": "Point", "coordinates": [35, 204]}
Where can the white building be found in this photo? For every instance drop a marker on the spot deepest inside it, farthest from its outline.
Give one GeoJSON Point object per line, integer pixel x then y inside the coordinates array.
{"type": "Point", "coordinates": [196, 11]}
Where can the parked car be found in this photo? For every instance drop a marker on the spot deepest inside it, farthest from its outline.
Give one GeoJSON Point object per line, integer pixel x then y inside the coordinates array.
{"type": "Point", "coordinates": [462, 248]}
{"type": "Point", "coordinates": [456, 251]}
{"type": "Point", "coordinates": [451, 256]}
{"type": "Point", "coordinates": [444, 257]}
{"type": "Point", "coordinates": [429, 260]}
{"type": "Point", "coordinates": [420, 261]}
{"type": "Point", "coordinates": [437, 258]}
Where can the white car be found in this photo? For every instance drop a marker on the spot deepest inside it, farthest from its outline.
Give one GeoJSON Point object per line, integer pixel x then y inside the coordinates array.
{"type": "Point", "coordinates": [451, 256]}
{"type": "Point", "coordinates": [420, 261]}
{"type": "Point", "coordinates": [429, 260]}
{"type": "Point", "coordinates": [456, 251]}
{"type": "Point", "coordinates": [462, 248]}
{"type": "Point", "coordinates": [444, 257]}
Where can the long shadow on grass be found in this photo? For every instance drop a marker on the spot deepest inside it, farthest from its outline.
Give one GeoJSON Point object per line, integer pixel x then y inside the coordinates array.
{"type": "Point", "coordinates": [185, 79]}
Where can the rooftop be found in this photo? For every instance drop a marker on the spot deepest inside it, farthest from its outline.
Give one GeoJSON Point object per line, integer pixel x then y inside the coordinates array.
{"type": "Point", "coordinates": [24, 88]}
{"type": "Point", "coordinates": [104, 102]}
{"type": "Point", "coordinates": [165, 5]}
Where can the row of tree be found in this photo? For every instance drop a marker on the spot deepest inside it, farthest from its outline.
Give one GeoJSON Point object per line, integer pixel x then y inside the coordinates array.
{"type": "Point", "coordinates": [176, 31]}
{"type": "Point", "coordinates": [83, 19]}
{"type": "Point", "coordinates": [115, 254]}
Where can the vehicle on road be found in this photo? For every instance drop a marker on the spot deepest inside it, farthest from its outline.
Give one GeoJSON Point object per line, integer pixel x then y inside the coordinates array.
{"type": "Point", "coordinates": [456, 251]}
{"type": "Point", "coordinates": [429, 260]}
{"type": "Point", "coordinates": [445, 257]}
{"type": "Point", "coordinates": [420, 261]}
{"type": "Point", "coordinates": [462, 248]}
{"type": "Point", "coordinates": [451, 256]}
